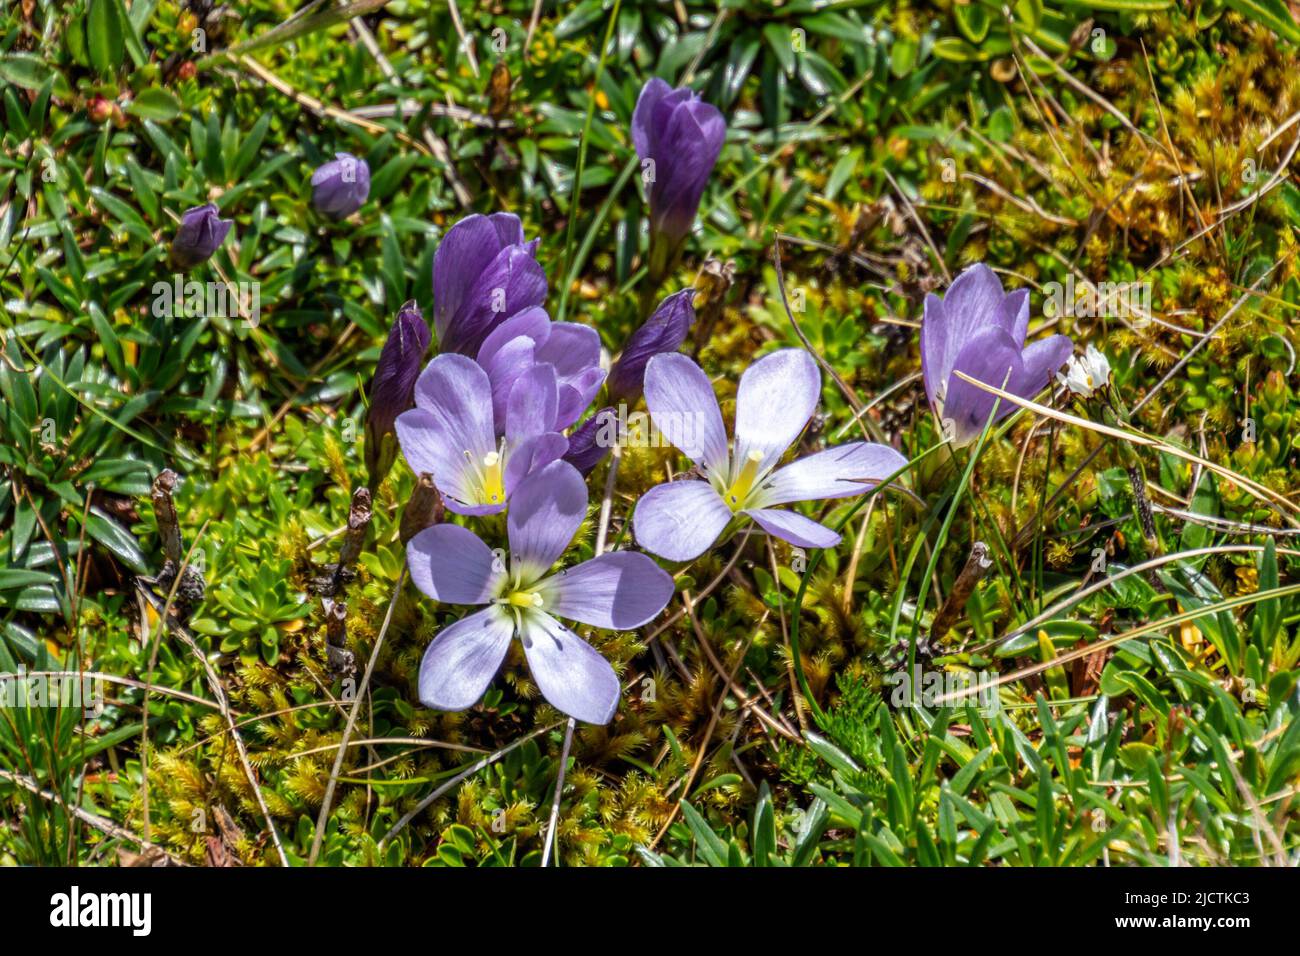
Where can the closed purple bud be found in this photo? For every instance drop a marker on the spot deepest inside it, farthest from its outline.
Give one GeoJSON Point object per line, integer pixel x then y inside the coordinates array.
{"type": "Point", "coordinates": [392, 390]}
{"type": "Point", "coordinates": [483, 273]}
{"type": "Point", "coordinates": [399, 366]}
{"type": "Point", "coordinates": [664, 331]}
{"type": "Point", "coordinates": [200, 234]}
{"type": "Point", "coordinates": [679, 138]}
{"type": "Point", "coordinates": [592, 440]}
{"type": "Point", "coordinates": [340, 187]}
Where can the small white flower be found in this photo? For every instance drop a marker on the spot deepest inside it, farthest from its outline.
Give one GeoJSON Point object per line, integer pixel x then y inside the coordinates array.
{"type": "Point", "coordinates": [1083, 376]}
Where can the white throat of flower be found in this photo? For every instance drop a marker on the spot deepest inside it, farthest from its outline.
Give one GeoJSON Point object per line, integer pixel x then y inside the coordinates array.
{"type": "Point", "coordinates": [739, 492]}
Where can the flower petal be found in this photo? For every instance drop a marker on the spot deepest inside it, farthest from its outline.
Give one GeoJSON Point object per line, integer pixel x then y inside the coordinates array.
{"type": "Point", "coordinates": [833, 473]}
{"type": "Point", "coordinates": [777, 396]}
{"type": "Point", "coordinates": [451, 425]}
{"type": "Point", "coordinates": [532, 323]}
{"type": "Point", "coordinates": [452, 564]}
{"type": "Point", "coordinates": [620, 590]}
{"type": "Point", "coordinates": [1041, 359]}
{"type": "Point", "coordinates": [464, 252]}
{"type": "Point", "coordinates": [530, 410]}
{"type": "Point", "coordinates": [1013, 314]}
{"type": "Point", "coordinates": [571, 674]}
{"type": "Point", "coordinates": [794, 528]}
{"type": "Point", "coordinates": [680, 520]}
{"type": "Point", "coordinates": [463, 658]}
{"type": "Point", "coordinates": [971, 304]}
{"type": "Point", "coordinates": [990, 356]}
{"type": "Point", "coordinates": [532, 454]}
{"type": "Point", "coordinates": [545, 511]}
{"type": "Point", "coordinates": [685, 410]}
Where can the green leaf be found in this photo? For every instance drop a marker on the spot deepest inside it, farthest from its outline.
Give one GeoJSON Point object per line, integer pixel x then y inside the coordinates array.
{"type": "Point", "coordinates": [104, 36]}
{"type": "Point", "coordinates": [155, 104]}
{"type": "Point", "coordinates": [25, 70]}
{"type": "Point", "coordinates": [709, 843]}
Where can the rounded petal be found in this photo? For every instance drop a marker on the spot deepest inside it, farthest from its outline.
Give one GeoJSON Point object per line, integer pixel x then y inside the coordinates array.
{"type": "Point", "coordinates": [777, 396]}
{"type": "Point", "coordinates": [569, 672]}
{"type": "Point", "coordinates": [450, 428]}
{"type": "Point", "coordinates": [643, 133]}
{"type": "Point", "coordinates": [452, 564]}
{"type": "Point", "coordinates": [532, 323]}
{"type": "Point", "coordinates": [619, 590]}
{"type": "Point", "coordinates": [1013, 314]}
{"type": "Point", "coordinates": [464, 252]}
{"type": "Point", "coordinates": [462, 659]}
{"type": "Point", "coordinates": [427, 448]}
{"type": "Point", "coordinates": [531, 407]}
{"type": "Point", "coordinates": [1041, 360]}
{"type": "Point", "coordinates": [545, 511]}
{"type": "Point", "coordinates": [794, 528]}
{"type": "Point", "coordinates": [680, 520]}
{"type": "Point", "coordinates": [834, 473]}
{"type": "Point", "coordinates": [532, 454]}
{"type": "Point", "coordinates": [685, 410]}
{"type": "Point", "coordinates": [991, 356]}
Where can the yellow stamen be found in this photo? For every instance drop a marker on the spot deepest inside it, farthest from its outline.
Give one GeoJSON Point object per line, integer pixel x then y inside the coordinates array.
{"type": "Point", "coordinates": [524, 599]}
{"type": "Point", "coordinates": [494, 486]}
{"type": "Point", "coordinates": [740, 488]}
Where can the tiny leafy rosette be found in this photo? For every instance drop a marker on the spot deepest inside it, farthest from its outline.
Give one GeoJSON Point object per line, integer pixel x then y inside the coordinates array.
{"type": "Point", "coordinates": [680, 520]}
{"type": "Point", "coordinates": [678, 137]}
{"type": "Point", "coordinates": [979, 330]}
{"type": "Point", "coordinates": [200, 234]}
{"type": "Point", "coordinates": [619, 590]}
{"type": "Point", "coordinates": [340, 187]}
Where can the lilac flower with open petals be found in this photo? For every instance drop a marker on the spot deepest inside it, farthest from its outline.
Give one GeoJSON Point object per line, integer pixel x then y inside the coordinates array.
{"type": "Point", "coordinates": [340, 187]}
{"type": "Point", "coordinates": [682, 136]}
{"type": "Point", "coordinates": [680, 520]}
{"type": "Point", "coordinates": [201, 233]}
{"type": "Point", "coordinates": [664, 331]}
{"type": "Point", "coordinates": [980, 330]}
{"type": "Point", "coordinates": [451, 433]}
{"type": "Point", "coordinates": [619, 590]}
{"type": "Point", "coordinates": [483, 273]}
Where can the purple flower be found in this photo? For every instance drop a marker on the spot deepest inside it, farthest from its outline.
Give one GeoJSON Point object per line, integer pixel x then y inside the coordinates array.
{"type": "Point", "coordinates": [664, 331]}
{"type": "Point", "coordinates": [340, 187]}
{"type": "Point", "coordinates": [979, 330]}
{"type": "Point", "coordinates": [530, 338]}
{"type": "Point", "coordinates": [681, 135]}
{"type": "Point", "coordinates": [392, 390]}
{"type": "Point", "coordinates": [451, 433]}
{"type": "Point", "coordinates": [586, 450]}
{"type": "Point", "coordinates": [680, 520]}
{"type": "Point", "coordinates": [200, 234]}
{"type": "Point", "coordinates": [619, 591]}
{"type": "Point", "coordinates": [483, 273]}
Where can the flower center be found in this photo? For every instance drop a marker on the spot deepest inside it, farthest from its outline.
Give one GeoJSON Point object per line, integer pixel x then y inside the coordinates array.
{"type": "Point", "coordinates": [490, 472]}
{"type": "Point", "coordinates": [744, 483]}
{"type": "Point", "coordinates": [523, 599]}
